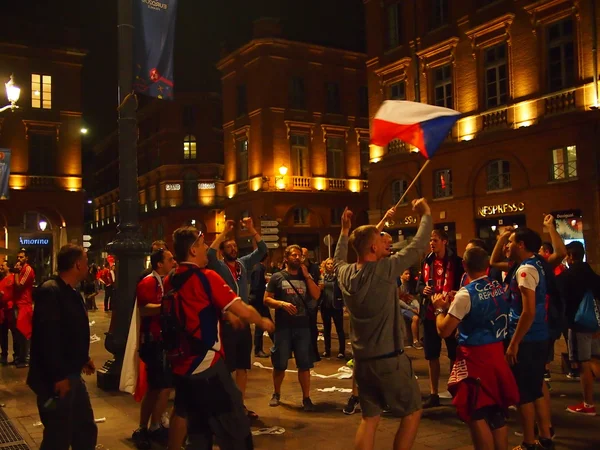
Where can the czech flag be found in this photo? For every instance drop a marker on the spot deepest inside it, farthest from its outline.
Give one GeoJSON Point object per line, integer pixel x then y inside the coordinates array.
{"type": "Point", "coordinates": [422, 125]}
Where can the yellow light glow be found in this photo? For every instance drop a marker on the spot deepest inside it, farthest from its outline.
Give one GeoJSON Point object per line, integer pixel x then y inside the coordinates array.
{"type": "Point", "coordinates": [280, 184]}
{"type": "Point", "coordinates": [18, 182]}
{"type": "Point", "coordinates": [256, 184]}
{"type": "Point", "coordinates": [73, 184]}
{"type": "Point", "coordinates": [319, 183]}
{"type": "Point", "coordinates": [207, 200]}
{"type": "Point", "coordinates": [354, 185]}
{"type": "Point", "coordinates": [375, 153]}
{"type": "Point", "coordinates": [231, 190]}
{"type": "Point", "coordinates": [468, 128]}
{"type": "Point", "coordinates": [283, 170]}
{"type": "Point", "coordinates": [525, 114]}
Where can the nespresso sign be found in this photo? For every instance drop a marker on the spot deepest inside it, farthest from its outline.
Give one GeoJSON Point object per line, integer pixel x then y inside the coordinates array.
{"type": "Point", "coordinates": [496, 210]}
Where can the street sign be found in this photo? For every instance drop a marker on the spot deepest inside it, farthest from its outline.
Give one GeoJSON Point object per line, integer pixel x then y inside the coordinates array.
{"type": "Point", "coordinates": [87, 244]}
{"type": "Point", "coordinates": [272, 244]}
{"type": "Point", "coordinates": [269, 231]}
{"type": "Point", "coordinates": [87, 237]}
{"type": "Point", "coordinates": [269, 223]}
{"type": "Point", "coordinates": [270, 238]}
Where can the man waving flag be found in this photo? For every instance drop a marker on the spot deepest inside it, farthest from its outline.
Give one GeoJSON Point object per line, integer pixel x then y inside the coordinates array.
{"type": "Point", "coordinates": [422, 125]}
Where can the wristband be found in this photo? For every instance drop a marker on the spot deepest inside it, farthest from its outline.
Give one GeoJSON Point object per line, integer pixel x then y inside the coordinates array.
{"type": "Point", "coordinates": [439, 311]}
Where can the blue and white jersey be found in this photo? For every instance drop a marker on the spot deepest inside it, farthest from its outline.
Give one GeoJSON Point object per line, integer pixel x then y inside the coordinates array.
{"type": "Point", "coordinates": [530, 275]}
{"type": "Point", "coordinates": [482, 307]}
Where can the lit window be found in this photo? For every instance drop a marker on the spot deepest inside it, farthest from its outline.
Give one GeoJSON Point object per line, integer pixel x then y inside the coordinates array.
{"type": "Point", "coordinates": [498, 176]}
{"type": "Point", "coordinates": [398, 189]}
{"type": "Point", "coordinates": [496, 76]}
{"type": "Point", "coordinates": [335, 160]}
{"type": "Point", "coordinates": [189, 147]}
{"type": "Point", "coordinates": [443, 183]}
{"type": "Point", "coordinates": [443, 86]}
{"type": "Point", "coordinates": [242, 162]}
{"type": "Point", "coordinates": [300, 216]}
{"type": "Point", "coordinates": [299, 155]}
{"type": "Point", "coordinates": [564, 163]}
{"type": "Point", "coordinates": [41, 91]}
{"type": "Point", "coordinates": [561, 55]}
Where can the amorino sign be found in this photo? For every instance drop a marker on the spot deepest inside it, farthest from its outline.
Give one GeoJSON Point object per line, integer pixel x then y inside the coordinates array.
{"type": "Point", "coordinates": [35, 241]}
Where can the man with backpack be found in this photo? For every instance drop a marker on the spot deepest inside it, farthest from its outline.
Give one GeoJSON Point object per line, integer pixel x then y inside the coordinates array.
{"type": "Point", "coordinates": [577, 283]}
{"type": "Point", "coordinates": [205, 393]}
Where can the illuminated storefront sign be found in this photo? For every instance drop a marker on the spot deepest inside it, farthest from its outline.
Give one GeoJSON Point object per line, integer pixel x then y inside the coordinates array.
{"type": "Point", "coordinates": [173, 187]}
{"type": "Point", "coordinates": [505, 208]}
{"type": "Point", "coordinates": [409, 220]}
{"type": "Point", "coordinates": [34, 241]}
{"type": "Point", "coordinates": [206, 185]}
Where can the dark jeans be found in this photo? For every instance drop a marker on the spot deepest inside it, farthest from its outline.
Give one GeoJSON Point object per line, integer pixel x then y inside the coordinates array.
{"type": "Point", "coordinates": [4, 327]}
{"type": "Point", "coordinates": [108, 296]}
{"type": "Point", "coordinates": [263, 310]}
{"type": "Point", "coordinates": [337, 315]}
{"type": "Point", "coordinates": [21, 344]}
{"type": "Point", "coordinates": [69, 422]}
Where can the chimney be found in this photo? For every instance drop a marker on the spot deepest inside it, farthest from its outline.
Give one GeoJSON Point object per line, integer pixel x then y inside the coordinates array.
{"type": "Point", "coordinates": [267, 27]}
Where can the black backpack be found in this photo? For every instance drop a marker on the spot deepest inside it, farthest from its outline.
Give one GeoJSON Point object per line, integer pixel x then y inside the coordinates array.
{"type": "Point", "coordinates": [177, 341]}
{"type": "Point", "coordinates": [555, 303]}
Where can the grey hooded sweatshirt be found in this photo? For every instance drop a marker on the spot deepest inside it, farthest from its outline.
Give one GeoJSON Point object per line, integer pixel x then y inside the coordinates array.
{"type": "Point", "coordinates": [371, 295]}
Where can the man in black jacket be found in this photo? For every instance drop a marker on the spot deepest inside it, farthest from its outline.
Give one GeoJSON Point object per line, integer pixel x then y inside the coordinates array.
{"type": "Point", "coordinates": [60, 346]}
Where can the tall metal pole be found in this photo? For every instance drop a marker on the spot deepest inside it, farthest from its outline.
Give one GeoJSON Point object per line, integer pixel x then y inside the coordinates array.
{"type": "Point", "coordinates": [415, 56]}
{"type": "Point", "coordinates": [128, 246]}
{"type": "Point", "coordinates": [595, 50]}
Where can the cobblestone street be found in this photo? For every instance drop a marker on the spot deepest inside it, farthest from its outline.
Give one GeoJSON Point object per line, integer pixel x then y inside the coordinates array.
{"type": "Point", "coordinates": [328, 427]}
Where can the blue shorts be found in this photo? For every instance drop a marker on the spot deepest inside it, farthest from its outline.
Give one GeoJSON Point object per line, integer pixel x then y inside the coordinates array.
{"type": "Point", "coordinates": [299, 341]}
{"type": "Point", "coordinates": [408, 314]}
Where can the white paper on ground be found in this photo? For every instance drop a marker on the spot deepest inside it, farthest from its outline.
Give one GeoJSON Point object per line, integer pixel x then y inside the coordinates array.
{"type": "Point", "coordinates": [37, 424]}
{"type": "Point", "coordinates": [271, 431]}
{"type": "Point", "coordinates": [100, 420]}
{"type": "Point", "coordinates": [445, 394]}
{"type": "Point", "coordinates": [335, 389]}
{"type": "Point", "coordinates": [93, 322]}
{"type": "Point", "coordinates": [342, 374]}
{"type": "Point", "coordinates": [94, 338]}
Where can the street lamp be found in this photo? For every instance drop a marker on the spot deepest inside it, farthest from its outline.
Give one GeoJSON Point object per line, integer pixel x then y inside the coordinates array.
{"type": "Point", "coordinates": [43, 224]}
{"type": "Point", "coordinates": [84, 131]}
{"type": "Point", "coordinates": [280, 180]}
{"type": "Point", "coordinates": [13, 93]}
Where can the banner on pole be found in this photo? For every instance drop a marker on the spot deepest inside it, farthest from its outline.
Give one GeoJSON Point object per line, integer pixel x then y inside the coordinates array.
{"type": "Point", "coordinates": [4, 172]}
{"type": "Point", "coordinates": [154, 37]}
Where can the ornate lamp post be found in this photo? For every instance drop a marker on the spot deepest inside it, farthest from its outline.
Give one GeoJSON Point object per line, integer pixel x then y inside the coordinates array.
{"type": "Point", "coordinates": [13, 92]}
{"type": "Point", "coordinates": [128, 246]}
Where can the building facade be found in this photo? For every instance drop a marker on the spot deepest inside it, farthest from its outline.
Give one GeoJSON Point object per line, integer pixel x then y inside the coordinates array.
{"type": "Point", "coordinates": [296, 138]}
{"type": "Point", "coordinates": [180, 167]}
{"type": "Point", "coordinates": [43, 207]}
{"type": "Point", "coordinates": [522, 74]}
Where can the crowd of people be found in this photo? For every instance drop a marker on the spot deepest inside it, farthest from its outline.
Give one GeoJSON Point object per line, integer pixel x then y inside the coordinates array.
{"type": "Point", "coordinates": [499, 315]}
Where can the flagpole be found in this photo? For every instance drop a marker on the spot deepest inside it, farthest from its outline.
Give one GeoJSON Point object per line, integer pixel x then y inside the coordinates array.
{"type": "Point", "coordinates": [412, 183]}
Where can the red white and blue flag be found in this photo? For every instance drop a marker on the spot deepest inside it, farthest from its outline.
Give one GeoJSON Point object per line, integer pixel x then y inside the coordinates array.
{"type": "Point", "coordinates": [419, 124]}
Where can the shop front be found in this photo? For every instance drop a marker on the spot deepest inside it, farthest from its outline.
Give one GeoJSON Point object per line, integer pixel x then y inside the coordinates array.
{"type": "Point", "coordinates": [493, 219]}
{"type": "Point", "coordinates": [38, 247]}
{"type": "Point", "coordinates": [569, 225]}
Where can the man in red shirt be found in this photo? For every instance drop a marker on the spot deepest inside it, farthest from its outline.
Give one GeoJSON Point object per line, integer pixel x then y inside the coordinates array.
{"type": "Point", "coordinates": [107, 278]}
{"type": "Point", "coordinates": [7, 315]}
{"type": "Point", "coordinates": [23, 303]}
{"type": "Point", "coordinates": [149, 294]}
{"type": "Point", "coordinates": [441, 274]}
{"type": "Point", "coordinates": [203, 383]}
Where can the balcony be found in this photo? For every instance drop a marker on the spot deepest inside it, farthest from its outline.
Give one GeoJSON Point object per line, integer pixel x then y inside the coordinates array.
{"type": "Point", "coordinates": [495, 119]}
{"type": "Point", "coordinates": [336, 184]}
{"type": "Point", "coordinates": [397, 147]}
{"type": "Point", "coordinates": [242, 187]}
{"type": "Point", "coordinates": [301, 183]}
{"type": "Point", "coordinates": [44, 182]}
{"type": "Point", "coordinates": [559, 103]}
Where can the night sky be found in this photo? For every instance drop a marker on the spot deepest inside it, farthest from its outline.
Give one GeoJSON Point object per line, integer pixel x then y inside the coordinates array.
{"type": "Point", "coordinates": [204, 28]}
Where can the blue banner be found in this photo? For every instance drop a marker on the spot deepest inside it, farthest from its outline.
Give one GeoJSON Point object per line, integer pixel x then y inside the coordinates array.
{"type": "Point", "coordinates": [4, 172]}
{"type": "Point", "coordinates": [154, 36]}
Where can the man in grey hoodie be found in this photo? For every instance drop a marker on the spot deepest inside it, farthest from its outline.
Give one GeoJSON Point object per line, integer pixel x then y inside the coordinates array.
{"type": "Point", "coordinates": [383, 372]}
